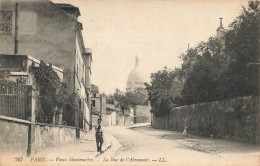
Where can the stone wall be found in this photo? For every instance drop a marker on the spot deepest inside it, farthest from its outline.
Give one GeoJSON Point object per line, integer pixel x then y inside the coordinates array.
{"type": "Point", "coordinates": [160, 122]}
{"type": "Point", "coordinates": [236, 119]}
{"type": "Point", "coordinates": [113, 118]}
{"type": "Point", "coordinates": [126, 120]}
{"type": "Point", "coordinates": [121, 120]}
{"type": "Point", "coordinates": [14, 136]}
{"type": "Point", "coordinates": [44, 32]}
{"type": "Point", "coordinates": [107, 120]}
{"type": "Point", "coordinates": [94, 119]}
{"type": "Point", "coordinates": [49, 136]}
{"type": "Point", "coordinates": [142, 114]}
{"type": "Point", "coordinates": [83, 134]}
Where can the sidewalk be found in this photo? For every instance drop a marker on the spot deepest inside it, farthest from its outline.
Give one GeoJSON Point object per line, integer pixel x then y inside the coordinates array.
{"type": "Point", "coordinates": [81, 152]}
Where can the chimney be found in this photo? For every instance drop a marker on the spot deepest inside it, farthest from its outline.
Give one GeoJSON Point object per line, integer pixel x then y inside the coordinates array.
{"type": "Point", "coordinates": [221, 25]}
{"type": "Point", "coordinates": [136, 61]}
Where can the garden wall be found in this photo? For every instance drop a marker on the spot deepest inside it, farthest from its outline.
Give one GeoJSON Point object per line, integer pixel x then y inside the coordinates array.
{"type": "Point", "coordinates": [143, 114]}
{"type": "Point", "coordinates": [236, 119]}
{"type": "Point", "coordinates": [83, 134]}
{"type": "Point", "coordinates": [127, 120]}
{"type": "Point", "coordinates": [14, 136]}
{"type": "Point", "coordinates": [48, 135]}
{"type": "Point", "coordinates": [121, 120]}
{"type": "Point", "coordinates": [160, 122]}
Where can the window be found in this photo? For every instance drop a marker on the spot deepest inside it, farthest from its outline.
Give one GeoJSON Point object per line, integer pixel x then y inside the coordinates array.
{"type": "Point", "coordinates": [93, 103]}
{"type": "Point", "coordinates": [6, 22]}
{"type": "Point", "coordinates": [94, 95]}
{"type": "Point", "coordinates": [80, 104]}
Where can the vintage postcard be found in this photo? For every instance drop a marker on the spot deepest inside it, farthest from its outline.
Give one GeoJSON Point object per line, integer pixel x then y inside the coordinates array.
{"type": "Point", "coordinates": [129, 82]}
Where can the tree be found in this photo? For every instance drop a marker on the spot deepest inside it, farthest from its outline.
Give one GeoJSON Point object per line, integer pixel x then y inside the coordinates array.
{"type": "Point", "coordinates": [129, 100]}
{"type": "Point", "coordinates": [159, 91]}
{"type": "Point", "coordinates": [188, 60]}
{"type": "Point", "coordinates": [202, 78]}
{"type": "Point", "coordinates": [110, 99]}
{"type": "Point", "coordinates": [242, 47]}
{"type": "Point", "coordinates": [53, 98]}
{"type": "Point", "coordinates": [214, 71]}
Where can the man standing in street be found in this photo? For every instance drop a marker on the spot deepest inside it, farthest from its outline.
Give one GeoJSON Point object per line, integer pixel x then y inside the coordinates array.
{"type": "Point", "coordinates": [99, 135]}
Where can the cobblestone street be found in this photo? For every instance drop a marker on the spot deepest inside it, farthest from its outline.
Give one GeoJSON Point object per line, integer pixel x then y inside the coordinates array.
{"type": "Point", "coordinates": [141, 143]}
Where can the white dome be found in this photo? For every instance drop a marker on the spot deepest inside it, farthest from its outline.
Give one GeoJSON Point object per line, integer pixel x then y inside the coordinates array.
{"type": "Point", "coordinates": [137, 74]}
{"type": "Point", "coordinates": [136, 78]}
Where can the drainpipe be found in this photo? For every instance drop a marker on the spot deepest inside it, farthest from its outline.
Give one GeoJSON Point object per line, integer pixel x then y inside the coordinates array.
{"type": "Point", "coordinates": [100, 106]}
{"type": "Point", "coordinates": [16, 30]}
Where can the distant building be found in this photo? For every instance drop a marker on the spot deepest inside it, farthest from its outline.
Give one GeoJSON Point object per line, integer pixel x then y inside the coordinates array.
{"type": "Point", "coordinates": [111, 115]}
{"type": "Point", "coordinates": [52, 33]}
{"type": "Point", "coordinates": [221, 32]}
{"type": "Point", "coordinates": [98, 102]}
{"type": "Point", "coordinates": [87, 57]}
{"type": "Point", "coordinates": [135, 82]}
{"type": "Point", "coordinates": [136, 78]}
{"type": "Point", "coordinates": [142, 114]}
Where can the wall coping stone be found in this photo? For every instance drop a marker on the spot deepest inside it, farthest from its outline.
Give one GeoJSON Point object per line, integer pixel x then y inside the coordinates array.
{"type": "Point", "coordinates": [51, 125]}
{"type": "Point", "coordinates": [14, 119]}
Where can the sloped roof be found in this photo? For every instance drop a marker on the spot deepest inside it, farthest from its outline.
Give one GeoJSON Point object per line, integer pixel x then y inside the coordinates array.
{"type": "Point", "coordinates": [94, 88]}
{"type": "Point", "coordinates": [88, 50]}
{"type": "Point", "coordinates": [64, 12]}
{"type": "Point", "coordinates": [111, 106]}
{"type": "Point", "coordinates": [65, 6]}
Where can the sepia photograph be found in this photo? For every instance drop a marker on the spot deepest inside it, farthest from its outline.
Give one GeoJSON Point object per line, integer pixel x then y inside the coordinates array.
{"type": "Point", "coordinates": [129, 82]}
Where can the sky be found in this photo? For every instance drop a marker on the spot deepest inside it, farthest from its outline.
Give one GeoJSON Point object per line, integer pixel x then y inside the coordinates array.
{"type": "Point", "coordinates": [157, 31]}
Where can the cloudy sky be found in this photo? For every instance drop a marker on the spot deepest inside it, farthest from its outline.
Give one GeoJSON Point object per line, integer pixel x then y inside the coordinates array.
{"type": "Point", "coordinates": [157, 31]}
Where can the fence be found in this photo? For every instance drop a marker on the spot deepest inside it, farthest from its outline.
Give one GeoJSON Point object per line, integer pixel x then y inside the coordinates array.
{"type": "Point", "coordinates": [14, 103]}
{"type": "Point", "coordinates": [68, 116]}
{"type": "Point", "coordinates": [13, 100]}
{"type": "Point", "coordinates": [71, 116]}
{"type": "Point", "coordinates": [48, 113]}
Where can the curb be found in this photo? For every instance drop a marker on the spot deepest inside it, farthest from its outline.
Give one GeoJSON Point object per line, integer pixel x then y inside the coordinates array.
{"type": "Point", "coordinates": [112, 145]}
{"type": "Point", "coordinates": [106, 145]}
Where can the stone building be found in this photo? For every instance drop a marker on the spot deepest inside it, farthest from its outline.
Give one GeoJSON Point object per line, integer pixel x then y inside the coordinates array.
{"type": "Point", "coordinates": [111, 115]}
{"type": "Point", "coordinates": [135, 82]}
{"type": "Point", "coordinates": [142, 114]}
{"type": "Point", "coordinates": [221, 32]}
{"type": "Point", "coordinates": [136, 78]}
{"type": "Point", "coordinates": [52, 33]}
{"type": "Point", "coordinates": [16, 68]}
{"type": "Point", "coordinates": [98, 102]}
